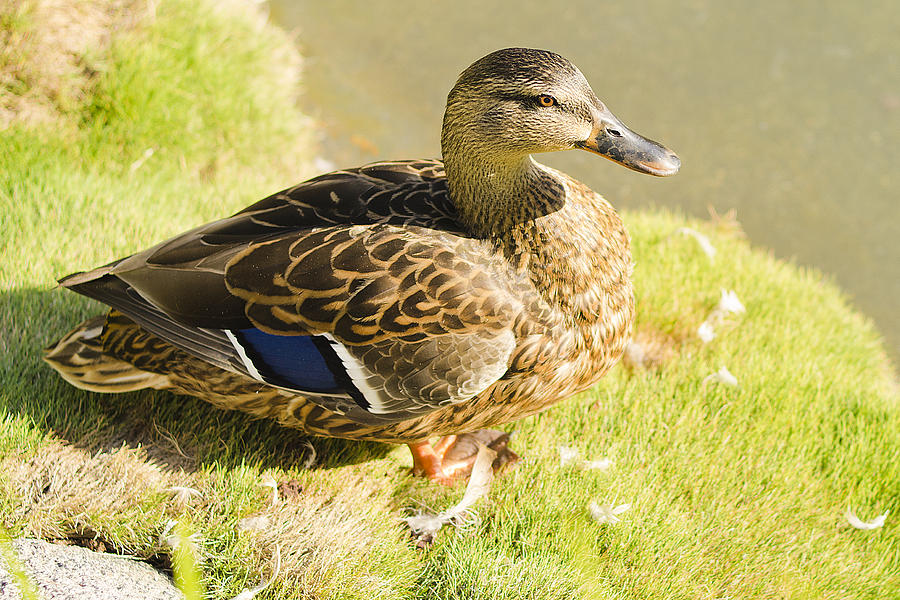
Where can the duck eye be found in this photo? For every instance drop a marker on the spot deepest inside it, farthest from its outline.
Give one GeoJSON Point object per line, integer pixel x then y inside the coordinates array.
{"type": "Point", "coordinates": [546, 100]}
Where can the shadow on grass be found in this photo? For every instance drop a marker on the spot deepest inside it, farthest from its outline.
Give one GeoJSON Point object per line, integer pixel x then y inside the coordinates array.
{"type": "Point", "coordinates": [176, 432]}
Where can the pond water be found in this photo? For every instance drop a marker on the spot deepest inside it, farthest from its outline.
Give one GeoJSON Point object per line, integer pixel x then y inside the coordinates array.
{"type": "Point", "coordinates": [788, 112]}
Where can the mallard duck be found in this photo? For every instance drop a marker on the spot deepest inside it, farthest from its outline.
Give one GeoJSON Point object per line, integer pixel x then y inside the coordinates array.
{"type": "Point", "coordinates": [397, 301]}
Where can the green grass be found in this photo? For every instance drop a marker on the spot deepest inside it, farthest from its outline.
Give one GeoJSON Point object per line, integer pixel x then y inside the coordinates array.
{"type": "Point", "coordinates": [735, 492]}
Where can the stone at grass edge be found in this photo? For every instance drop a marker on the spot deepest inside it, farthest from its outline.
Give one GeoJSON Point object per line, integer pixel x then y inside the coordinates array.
{"type": "Point", "coordinates": [75, 573]}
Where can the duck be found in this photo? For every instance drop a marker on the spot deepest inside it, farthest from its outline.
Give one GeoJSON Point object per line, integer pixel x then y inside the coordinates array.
{"type": "Point", "coordinates": [400, 301]}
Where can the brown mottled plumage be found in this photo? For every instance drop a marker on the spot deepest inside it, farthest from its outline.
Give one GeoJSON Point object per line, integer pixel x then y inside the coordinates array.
{"type": "Point", "coordinates": [440, 302]}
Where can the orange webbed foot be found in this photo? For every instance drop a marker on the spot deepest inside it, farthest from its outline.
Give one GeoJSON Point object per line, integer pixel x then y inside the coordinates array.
{"type": "Point", "coordinates": [453, 456]}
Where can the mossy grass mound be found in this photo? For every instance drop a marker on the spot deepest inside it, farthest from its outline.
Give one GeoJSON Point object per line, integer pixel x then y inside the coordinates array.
{"type": "Point", "coordinates": [185, 113]}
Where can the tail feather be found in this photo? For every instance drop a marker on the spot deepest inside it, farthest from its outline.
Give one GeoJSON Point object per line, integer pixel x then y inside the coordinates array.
{"type": "Point", "coordinates": [80, 360]}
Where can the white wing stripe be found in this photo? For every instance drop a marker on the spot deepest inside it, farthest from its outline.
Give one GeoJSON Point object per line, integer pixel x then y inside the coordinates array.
{"type": "Point", "coordinates": [244, 358]}
{"type": "Point", "coordinates": [360, 375]}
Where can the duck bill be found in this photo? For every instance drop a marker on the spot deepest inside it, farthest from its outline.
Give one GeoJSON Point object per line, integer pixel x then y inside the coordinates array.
{"type": "Point", "coordinates": [612, 140]}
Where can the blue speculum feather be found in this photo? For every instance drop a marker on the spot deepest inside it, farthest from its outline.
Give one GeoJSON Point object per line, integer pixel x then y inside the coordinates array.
{"type": "Point", "coordinates": [293, 361]}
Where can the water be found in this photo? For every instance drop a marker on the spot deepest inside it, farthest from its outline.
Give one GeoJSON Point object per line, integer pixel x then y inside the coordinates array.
{"type": "Point", "coordinates": [787, 111]}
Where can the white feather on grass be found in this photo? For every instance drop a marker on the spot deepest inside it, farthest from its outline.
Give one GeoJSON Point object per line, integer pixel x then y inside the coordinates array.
{"type": "Point", "coordinates": [164, 534]}
{"type": "Point", "coordinates": [724, 376]}
{"type": "Point", "coordinates": [140, 162]}
{"type": "Point", "coordinates": [425, 525]}
{"type": "Point", "coordinates": [702, 241]}
{"type": "Point", "coordinates": [173, 540]}
{"type": "Point", "coordinates": [859, 524]}
{"type": "Point", "coordinates": [254, 523]}
{"type": "Point", "coordinates": [570, 456]}
{"type": "Point", "coordinates": [599, 465]}
{"type": "Point", "coordinates": [310, 461]}
{"type": "Point", "coordinates": [706, 332]}
{"type": "Point", "coordinates": [183, 494]}
{"type": "Point", "coordinates": [634, 354]}
{"type": "Point", "coordinates": [268, 481]}
{"type": "Point", "coordinates": [728, 304]}
{"type": "Point", "coordinates": [607, 513]}
{"type": "Point", "coordinates": [263, 583]}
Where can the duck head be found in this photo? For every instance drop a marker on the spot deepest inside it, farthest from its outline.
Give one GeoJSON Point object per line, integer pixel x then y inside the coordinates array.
{"type": "Point", "coordinates": [519, 101]}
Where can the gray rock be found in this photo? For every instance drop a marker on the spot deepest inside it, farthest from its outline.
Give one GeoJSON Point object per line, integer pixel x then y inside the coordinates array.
{"type": "Point", "coordinates": [75, 573]}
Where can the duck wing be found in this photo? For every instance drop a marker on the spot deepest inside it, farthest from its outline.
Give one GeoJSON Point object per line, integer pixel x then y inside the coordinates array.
{"type": "Point", "coordinates": [357, 289]}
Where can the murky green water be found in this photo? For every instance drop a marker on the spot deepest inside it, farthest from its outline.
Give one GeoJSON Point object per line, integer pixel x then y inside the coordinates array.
{"type": "Point", "coordinates": [787, 111]}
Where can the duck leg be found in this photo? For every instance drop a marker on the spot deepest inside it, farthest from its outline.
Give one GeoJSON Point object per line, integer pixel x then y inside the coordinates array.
{"type": "Point", "coordinates": [453, 456]}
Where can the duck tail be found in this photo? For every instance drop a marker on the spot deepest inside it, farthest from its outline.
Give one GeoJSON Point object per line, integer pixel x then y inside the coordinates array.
{"type": "Point", "coordinates": [80, 359]}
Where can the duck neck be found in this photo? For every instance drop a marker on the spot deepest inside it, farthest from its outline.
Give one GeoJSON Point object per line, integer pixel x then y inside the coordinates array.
{"type": "Point", "coordinates": [497, 195]}
{"type": "Point", "coordinates": [513, 202]}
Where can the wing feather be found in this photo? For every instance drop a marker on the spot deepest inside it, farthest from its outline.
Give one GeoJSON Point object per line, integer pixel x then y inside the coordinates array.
{"type": "Point", "coordinates": [373, 257]}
